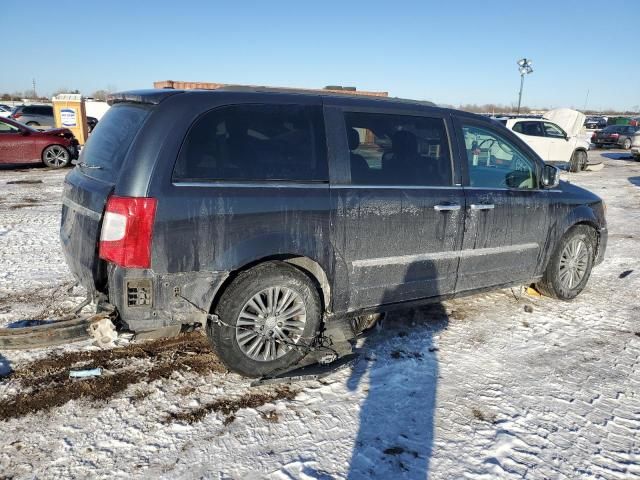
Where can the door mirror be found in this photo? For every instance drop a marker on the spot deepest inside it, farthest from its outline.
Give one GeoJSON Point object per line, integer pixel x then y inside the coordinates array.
{"type": "Point", "coordinates": [550, 176]}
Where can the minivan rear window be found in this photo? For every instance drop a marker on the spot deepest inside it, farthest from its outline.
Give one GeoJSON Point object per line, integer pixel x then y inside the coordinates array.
{"type": "Point", "coordinates": [110, 140]}
{"type": "Point", "coordinates": [255, 143]}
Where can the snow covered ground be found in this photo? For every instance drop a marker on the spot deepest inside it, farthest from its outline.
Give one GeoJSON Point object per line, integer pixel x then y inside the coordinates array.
{"type": "Point", "coordinates": [501, 385]}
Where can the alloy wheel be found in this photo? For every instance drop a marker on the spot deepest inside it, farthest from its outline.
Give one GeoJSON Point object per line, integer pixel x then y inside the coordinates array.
{"type": "Point", "coordinates": [573, 263]}
{"type": "Point", "coordinates": [270, 323]}
{"type": "Point", "coordinates": [56, 156]}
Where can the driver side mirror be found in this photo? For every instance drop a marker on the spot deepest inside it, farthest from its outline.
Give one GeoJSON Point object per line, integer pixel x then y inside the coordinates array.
{"type": "Point", "coordinates": [550, 176]}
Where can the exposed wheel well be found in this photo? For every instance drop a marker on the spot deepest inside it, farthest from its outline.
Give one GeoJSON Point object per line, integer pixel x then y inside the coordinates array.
{"type": "Point", "coordinates": [308, 266]}
{"type": "Point", "coordinates": [596, 233]}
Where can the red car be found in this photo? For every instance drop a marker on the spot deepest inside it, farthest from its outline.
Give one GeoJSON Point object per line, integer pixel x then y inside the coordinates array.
{"type": "Point", "coordinates": [22, 144]}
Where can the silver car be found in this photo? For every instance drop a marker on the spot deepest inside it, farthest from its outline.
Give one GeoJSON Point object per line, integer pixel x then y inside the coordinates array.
{"type": "Point", "coordinates": [34, 115]}
{"type": "Point", "coordinates": [635, 145]}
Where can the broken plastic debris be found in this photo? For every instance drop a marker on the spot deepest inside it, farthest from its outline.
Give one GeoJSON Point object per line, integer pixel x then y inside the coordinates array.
{"type": "Point", "coordinates": [103, 332]}
{"type": "Point", "coordinates": [533, 292]}
{"type": "Point", "coordinates": [91, 372]}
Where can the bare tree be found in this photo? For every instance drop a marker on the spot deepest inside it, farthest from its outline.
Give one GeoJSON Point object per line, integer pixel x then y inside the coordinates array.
{"type": "Point", "coordinates": [100, 95]}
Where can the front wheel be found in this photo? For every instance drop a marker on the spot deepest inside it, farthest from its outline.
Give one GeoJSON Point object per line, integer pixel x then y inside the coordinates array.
{"type": "Point", "coordinates": [578, 161]}
{"type": "Point", "coordinates": [268, 316]}
{"type": "Point", "coordinates": [570, 265]}
{"type": "Point", "coordinates": [627, 144]}
{"type": "Point", "coordinates": [55, 156]}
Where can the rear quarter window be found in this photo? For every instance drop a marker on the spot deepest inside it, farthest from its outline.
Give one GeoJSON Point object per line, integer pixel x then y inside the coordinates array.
{"type": "Point", "coordinates": [110, 140]}
{"type": "Point", "coordinates": [255, 143]}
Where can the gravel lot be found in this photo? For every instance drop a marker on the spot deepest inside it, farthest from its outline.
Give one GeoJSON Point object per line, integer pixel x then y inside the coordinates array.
{"type": "Point", "coordinates": [501, 385]}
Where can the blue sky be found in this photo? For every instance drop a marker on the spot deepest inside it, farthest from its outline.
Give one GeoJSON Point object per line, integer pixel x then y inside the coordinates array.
{"type": "Point", "coordinates": [451, 52]}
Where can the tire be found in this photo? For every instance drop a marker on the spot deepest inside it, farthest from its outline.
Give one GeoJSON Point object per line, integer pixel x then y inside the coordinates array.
{"type": "Point", "coordinates": [33, 124]}
{"type": "Point", "coordinates": [578, 161]}
{"type": "Point", "coordinates": [239, 298]}
{"type": "Point", "coordinates": [627, 144]}
{"type": "Point", "coordinates": [557, 285]}
{"type": "Point", "coordinates": [56, 156]}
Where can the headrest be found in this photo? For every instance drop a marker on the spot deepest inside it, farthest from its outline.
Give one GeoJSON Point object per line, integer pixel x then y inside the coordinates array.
{"type": "Point", "coordinates": [353, 137]}
{"type": "Point", "coordinates": [404, 142]}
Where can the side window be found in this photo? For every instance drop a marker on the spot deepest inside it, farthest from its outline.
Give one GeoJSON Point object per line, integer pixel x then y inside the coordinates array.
{"type": "Point", "coordinates": [252, 143]}
{"type": "Point", "coordinates": [553, 130]}
{"type": "Point", "coordinates": [398, 150]}
{"type": "Point", "coordinates": [8, 128]}
{"type": "Point", "coordinates": [533, 129]}
{"type": "Point", "coordinates": [495, 162]}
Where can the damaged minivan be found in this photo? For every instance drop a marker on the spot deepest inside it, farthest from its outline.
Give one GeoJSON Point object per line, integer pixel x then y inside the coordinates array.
{"type": "Point", "coordinates": [269, 216]}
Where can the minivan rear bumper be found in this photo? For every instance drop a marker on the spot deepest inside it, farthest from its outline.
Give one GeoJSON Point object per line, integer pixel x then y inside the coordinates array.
{"type": "Point", "coordinates": [147, 300]}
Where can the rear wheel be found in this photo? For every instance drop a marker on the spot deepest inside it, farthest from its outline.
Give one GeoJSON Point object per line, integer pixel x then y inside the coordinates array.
{"type": "Point", "coordinates": [55, 156]}
{"type": "Point", "coordinates": [570, 266]}
{"type": "Point", "coordinates": [269, 314]}
{"type": "Point", "coordinates": [627, 144]}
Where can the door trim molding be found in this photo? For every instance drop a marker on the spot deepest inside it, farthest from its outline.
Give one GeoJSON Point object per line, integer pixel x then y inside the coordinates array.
{"type": "Point", "coordinates": [423, 257]}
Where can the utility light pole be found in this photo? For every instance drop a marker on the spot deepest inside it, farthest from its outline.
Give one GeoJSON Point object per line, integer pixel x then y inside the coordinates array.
{"type": "Point", "coordinates": [524, 66]}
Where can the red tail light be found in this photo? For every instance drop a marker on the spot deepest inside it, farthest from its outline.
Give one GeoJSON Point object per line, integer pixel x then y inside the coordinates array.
{"type": "Point", "coordinates": [615, 135]}
{"type": "Point", "coordinates": [16, 115]}
{"type": "Point", "coordinates": [127, 229]}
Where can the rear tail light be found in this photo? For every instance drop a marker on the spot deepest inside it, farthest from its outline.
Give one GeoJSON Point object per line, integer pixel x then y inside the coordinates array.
{"type": "Point", "coordinates": [16, 115]}
{"type": "Point", "coordinates": [127, 229]}
{"type": "Point", "coordinates": [615, 134]}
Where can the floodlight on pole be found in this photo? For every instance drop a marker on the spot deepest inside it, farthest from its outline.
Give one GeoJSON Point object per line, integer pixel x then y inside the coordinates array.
{"type": "Point", "coordinates": [524, 67]}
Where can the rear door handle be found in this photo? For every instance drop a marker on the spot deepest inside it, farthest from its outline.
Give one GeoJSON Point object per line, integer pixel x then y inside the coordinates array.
{"type": "Point", "coordinates": [482, 206]}
{"type": "Point", "coordinates": [447, 207]}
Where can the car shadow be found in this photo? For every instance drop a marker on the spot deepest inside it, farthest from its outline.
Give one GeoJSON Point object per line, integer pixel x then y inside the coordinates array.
{"type": "Point", "coordinates": [624, 155]}
{"type": "Point", "coordinates": [635, 181]}
{"type": "Point", "coordinates": [396, 428]}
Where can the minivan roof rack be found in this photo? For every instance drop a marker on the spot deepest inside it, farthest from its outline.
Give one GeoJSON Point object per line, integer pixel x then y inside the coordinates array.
{"type": "Point", "coordinates": [155, 96]}
{"type": "Point", "coordinates": [318, 92]}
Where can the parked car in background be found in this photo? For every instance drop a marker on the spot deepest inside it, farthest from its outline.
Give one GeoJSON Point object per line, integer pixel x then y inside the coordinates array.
{"type": "Point", "coordinates": [91, 123]}
{"type": "Point", "coordinates": [635, 145]}
{"type": "Point", "coordinates": [22, 144]}
{"type": "Point", "coordinates": [554, 143]}
{"type": "Point", "coordinates": [238, 210]}
{"type": "Point", "coordinates": [593, 123]}
{"type": "Point", "coordinates": [34, 115]}
{"type": "Point", "coordinates": [635, 122]}
{"type": "Point", "coordinates": [615, 136]}
{"type": "Point", "coordinates": [5, 111]}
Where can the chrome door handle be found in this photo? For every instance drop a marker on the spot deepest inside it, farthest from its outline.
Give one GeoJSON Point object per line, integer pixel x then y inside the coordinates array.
{"type": "Point", "coordinates": [482, 206]}
{"type": "Point", "coordinates": [447, 207]}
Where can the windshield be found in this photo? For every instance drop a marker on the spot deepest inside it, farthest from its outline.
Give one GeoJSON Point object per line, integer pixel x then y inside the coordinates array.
{"type": "Point", "coordinates": [110, 140]}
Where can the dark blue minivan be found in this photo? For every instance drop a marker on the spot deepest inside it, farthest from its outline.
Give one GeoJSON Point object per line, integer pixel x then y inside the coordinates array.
{"type": "Point", "coordinates": [269, 215]}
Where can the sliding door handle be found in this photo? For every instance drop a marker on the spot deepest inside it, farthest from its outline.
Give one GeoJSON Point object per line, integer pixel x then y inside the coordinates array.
{"type": "Point", "coordinates": [482, 206]}
{"type": "Point", "coordinates": [447, 207]}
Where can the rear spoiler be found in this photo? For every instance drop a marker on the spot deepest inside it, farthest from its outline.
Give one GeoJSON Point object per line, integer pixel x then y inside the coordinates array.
{"type": "Point", "coordinates": [146, 97]}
